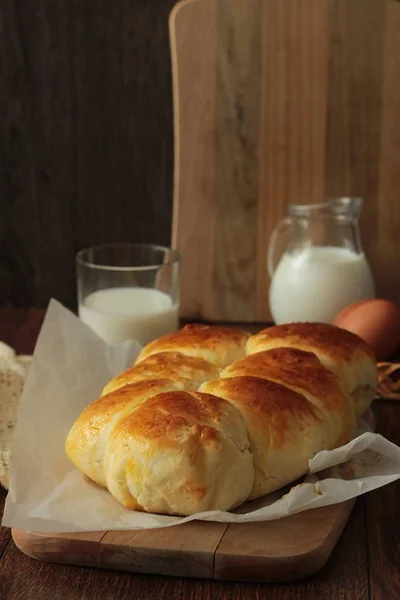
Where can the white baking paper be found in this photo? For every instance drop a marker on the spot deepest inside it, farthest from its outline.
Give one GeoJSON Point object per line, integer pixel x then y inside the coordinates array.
{"type": "Point", "coordinates": [47, 493]}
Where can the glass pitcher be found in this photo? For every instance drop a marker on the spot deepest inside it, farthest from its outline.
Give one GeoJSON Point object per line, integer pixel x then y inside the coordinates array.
{"type": "Point", "coordinates": [323, 268]}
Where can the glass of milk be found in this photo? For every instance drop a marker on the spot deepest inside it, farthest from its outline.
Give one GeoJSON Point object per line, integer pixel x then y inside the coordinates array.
{"type": "Point", "coordinates": [323, 267]}
{"type": "Point", "coordinates": [129, 291]}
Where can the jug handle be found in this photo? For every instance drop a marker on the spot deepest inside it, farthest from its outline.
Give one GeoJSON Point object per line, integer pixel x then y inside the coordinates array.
{"type": "Point", "coordinates": [287, 222]}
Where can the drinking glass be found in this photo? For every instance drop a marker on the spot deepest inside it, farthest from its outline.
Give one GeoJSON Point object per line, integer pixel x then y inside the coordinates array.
{"type": "Point", "coordinates": [129, 291]}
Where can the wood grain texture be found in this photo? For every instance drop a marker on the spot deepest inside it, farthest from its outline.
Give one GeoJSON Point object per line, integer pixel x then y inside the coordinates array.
{"type": "Point", "coordinates": [388, 220]}
{"type": "Point", "coordinates": [345, 577]}
{"type": "Point", "coordinates": [187, 550]}
{"type": "Point", "coordinates": [23, 577]}
{"type": "Point", "coordinates": [327, 124]}
{"type": "Point", "coordinates": [194, 117]}
{"type": "Point", "coordinates": [81, 550]}
{"type": "Point", "coordinates": [238, 71]}
{"type": "Point", "coordinates": [355, 92]}
{"type": "Point", "coordinates": [281, 551]}
{"type": "Point", "coordinates": [85, 137]}
{"type": "Point", "coordinates": [383, 519]}
{"type": "Point", "coordinates": [293, 118]}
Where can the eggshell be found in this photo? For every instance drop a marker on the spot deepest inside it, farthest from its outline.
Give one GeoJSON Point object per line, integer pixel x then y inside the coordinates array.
{"type": "Point", "coordinates": [375, 321]}
{"type": "Point", "coordinates": [347, 309]}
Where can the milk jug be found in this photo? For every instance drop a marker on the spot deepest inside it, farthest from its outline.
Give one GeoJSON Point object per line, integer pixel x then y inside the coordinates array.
{"type": "Point", "coordinates": [323, 268]}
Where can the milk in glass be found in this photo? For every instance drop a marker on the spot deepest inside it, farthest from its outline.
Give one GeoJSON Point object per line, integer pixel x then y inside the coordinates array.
{"type": "Point", "coordinates": [121, 313]}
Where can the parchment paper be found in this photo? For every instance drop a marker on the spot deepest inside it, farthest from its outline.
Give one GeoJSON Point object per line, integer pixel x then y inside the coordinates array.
{"type": "Point", "coordinates": [71, 364]}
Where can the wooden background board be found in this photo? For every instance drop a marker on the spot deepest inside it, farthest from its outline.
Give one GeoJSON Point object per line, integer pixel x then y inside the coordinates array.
{"type": "Point", "coordinates": [279, 102]}
{"type": "Point", "coordinates": [277, 551]}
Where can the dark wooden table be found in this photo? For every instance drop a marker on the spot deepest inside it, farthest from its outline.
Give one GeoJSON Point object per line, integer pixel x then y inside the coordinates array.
{"type": "Point", "coordinates": [364, 565]}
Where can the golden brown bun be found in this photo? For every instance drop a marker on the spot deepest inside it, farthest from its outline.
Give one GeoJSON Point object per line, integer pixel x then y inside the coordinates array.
{"type": "Point", "coordinates": [281, 423]}
{"type": "Point", "coordinates": [342, 352]}
{"type": "Point", "coordinates": [218, 345]}
{"type": "Point", "coordinates": [302, 372]}
{"type": "Point", "coordinates": [180, 452]}
{"type": "Point", "coordinates": [88, 437]}
{"type": "Point", "coordinates": [266, 405]}
{"type": "Point", "coordinates": [164, 365]}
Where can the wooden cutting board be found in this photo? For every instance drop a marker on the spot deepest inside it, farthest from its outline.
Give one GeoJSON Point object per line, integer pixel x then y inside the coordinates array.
{"type": "Point", "coordinates": [279, 101]}
{"type": "Point", "coordinates": [277, 551]}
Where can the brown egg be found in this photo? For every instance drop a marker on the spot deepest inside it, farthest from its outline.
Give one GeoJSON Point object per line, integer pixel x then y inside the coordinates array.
{"type": "Point", "coordinates": [375, 321]}
{"type": "Point", "coordinates": [345, 311]}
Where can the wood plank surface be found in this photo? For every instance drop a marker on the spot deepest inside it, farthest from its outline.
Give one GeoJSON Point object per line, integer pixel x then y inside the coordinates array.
{"type": "Point", "coordinates": [281, 551]}
{"type": "Point", "coordinates": [306, 107]}
{"type": "Point", "coordinates": [86, 138]}
{"type": "Point", "coordinates": [345, 576]}
{"type": "Point", "coordinates": [285, 550]}
{"type": "Point", "coordinates": [187, 550]}
{"type": "Point", "coordinates": [383, 518]}
{"type": "Point", "coordinates": [194, 117]}
{"type": "Point", "coordinates": [80, 550]}
{"type": "Point", "coordinates": [238, 76]}
{"type": "Point", "coordinates": [389, 215]}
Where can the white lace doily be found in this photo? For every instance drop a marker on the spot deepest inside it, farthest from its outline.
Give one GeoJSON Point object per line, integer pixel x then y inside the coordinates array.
{"type": "Point", "coordinates": [13, 371]}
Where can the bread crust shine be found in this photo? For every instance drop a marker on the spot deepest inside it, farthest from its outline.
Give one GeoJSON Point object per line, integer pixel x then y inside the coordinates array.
{"type": "Point", "coordinates": [344, 353]}
{"type": "Point", "coordinates": [209, 417]}
{"type": "Point", "coordinates": [180, 452]}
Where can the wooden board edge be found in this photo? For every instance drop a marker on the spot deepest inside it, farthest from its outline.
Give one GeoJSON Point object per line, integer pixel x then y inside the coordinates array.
{"type": "Point", "coordinates": [285, 569]}
{"type": "Point", "coordinates": [192, 121]}
{"type": "Point", "coordinates": [172, 22]}
{"type": "Point", "coordinates": [76, 549]}
{"type": "Point", "coordinates": [64, 548]}
{"type": "Point", "coordinates": [175, 556]}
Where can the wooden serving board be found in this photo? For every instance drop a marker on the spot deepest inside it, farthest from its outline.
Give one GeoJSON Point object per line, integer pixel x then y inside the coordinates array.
{"type": "Point", "coordinates": [278, 551]}
{"type": "Point", "coordinates": [279, 101]}
{"type": "Point", "coordinates": [286, 550]}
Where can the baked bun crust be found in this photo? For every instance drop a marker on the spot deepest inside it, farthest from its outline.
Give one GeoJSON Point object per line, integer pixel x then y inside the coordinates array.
{"type": "Point", "coordinates": [209, 417]}
{"type": "Point", "coordinates": [339, 350]}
